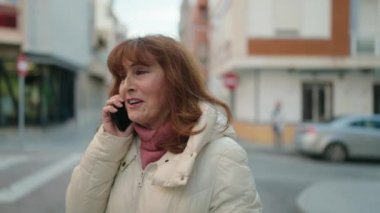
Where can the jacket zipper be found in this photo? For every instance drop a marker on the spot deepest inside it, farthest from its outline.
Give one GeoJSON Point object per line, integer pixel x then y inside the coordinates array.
{"type": "Point", "coordinates": [139, 184]}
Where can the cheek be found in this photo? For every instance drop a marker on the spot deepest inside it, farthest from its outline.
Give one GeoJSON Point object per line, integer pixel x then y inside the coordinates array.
{"type": "Point", "coordinates": [162, 101]}
{"type": "Point", "coordinates": [121, 89]}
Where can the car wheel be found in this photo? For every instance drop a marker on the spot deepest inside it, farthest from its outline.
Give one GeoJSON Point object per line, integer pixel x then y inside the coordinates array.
{"type": "Point", "coordinates": [335, 153]}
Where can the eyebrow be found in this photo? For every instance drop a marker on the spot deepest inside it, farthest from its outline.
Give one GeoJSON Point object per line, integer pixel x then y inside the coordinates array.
{"type": "Point", "coordinates": [138, 65]}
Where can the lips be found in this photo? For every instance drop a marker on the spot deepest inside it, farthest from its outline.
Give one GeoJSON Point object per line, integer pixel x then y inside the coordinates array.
{"type": "Point", "coordinates": [134, 101]}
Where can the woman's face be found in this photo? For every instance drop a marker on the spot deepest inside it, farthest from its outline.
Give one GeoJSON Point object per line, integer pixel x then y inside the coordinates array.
{"type": "Point", "coordinates": [143, 90]}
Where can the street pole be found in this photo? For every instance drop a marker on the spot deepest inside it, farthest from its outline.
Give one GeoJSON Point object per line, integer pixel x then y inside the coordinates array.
{"type": "Point", "coordinates": [232, 102]}
{"type": "Point", "coordinates": [22, 70]}
{"type": "Point", "coordinates": [21, 109]}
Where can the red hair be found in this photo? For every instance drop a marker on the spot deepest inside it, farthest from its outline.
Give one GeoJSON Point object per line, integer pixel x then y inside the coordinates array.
{"type": "Point", "coordinates": [184, 82]}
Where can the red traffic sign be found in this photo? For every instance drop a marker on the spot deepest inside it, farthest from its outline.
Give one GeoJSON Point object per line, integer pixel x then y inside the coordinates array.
{"type": "Point", "coordinates": [22, 65]}
{"type": "Point", "coordinates": [231, 80]}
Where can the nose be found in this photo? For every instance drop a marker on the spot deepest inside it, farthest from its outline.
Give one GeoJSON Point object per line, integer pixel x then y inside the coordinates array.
{"type": "Point", "coordinates": [126, 86]}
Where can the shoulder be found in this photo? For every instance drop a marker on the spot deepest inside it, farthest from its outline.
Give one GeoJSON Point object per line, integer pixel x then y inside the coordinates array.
{"type": "Point", "coordinates": [226, 148]}
{"type": "Point", "coordinates": [233, 184]}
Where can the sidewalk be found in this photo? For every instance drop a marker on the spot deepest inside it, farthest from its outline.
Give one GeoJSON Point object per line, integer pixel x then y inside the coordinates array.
{"type": "Point", "coordinates": [340, 197]}
{"type": "Point", "coordinates": [74, 134]}
{"type": "Point", "coordinates": [330, 196]}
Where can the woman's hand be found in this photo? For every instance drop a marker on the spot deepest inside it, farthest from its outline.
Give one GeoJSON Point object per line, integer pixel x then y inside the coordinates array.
{"type": "Point", "coordinates": [111, 107]}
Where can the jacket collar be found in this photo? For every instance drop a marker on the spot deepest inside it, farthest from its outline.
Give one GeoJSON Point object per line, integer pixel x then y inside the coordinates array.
{"type": "Point", "coordinates": [177, 170]}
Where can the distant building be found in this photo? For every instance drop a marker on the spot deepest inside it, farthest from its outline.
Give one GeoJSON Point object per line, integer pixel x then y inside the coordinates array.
{"type": "Point", "coordinates": [62, 41]}
{"type": "Point", "coordinates": [321, 59]}
{"type": "Point", "coordinates": [193, 30]}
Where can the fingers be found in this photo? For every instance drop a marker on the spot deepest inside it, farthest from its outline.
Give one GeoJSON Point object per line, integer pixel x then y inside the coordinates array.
{"type": "Point", "coordinates": [115, 100]}
{"type": "Point", "coordinates": [111, 106]}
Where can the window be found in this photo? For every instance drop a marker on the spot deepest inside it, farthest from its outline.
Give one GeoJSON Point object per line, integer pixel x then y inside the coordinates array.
{"type": "Point", "coordinates": [365, 27]}
{"type": "Point", "coordinates": [359, 123]}
{"type": "Point", "coordinates": [287, 18]}
{"type": "Point", "coordinates": [374, 124]}
{"type": "Point", "coordinates": [368, 124]}
{"type": "Point", "coordinates": [317, 102]}
{"type": "Point", "coordinates": [376, 99]}
{"type": "Point", "coordinates": [8, 18]}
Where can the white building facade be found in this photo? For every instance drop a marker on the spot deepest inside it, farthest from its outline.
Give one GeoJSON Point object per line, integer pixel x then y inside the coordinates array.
{"type": "Point", "coordinates": [319, 58]}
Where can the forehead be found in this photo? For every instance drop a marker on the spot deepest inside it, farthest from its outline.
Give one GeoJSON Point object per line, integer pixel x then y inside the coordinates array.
{"type": "Point", "coordinates": [127, 64]}
{"type": "Point", "coordinates": [136, 55]}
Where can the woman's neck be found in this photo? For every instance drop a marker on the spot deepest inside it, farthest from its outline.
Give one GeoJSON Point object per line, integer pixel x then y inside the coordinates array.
{"type": "Point", "coordinates": [150, 149]}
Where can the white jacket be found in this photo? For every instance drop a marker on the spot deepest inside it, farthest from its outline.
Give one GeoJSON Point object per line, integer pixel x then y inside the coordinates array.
{"type": "Point", "coordinates": [210, 175]}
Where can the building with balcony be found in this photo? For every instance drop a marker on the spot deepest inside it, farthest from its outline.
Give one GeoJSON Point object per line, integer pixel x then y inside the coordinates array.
{"type": "Point", "coordinates": [320, 59]}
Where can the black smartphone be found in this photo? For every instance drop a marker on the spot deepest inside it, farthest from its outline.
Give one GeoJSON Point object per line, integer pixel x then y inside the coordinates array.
{"type": "Point", "coordinates": [120, 118]}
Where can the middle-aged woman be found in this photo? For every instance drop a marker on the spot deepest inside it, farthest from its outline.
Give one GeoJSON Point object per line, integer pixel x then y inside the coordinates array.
{"type": "Point", "coordinates": [179, 154]}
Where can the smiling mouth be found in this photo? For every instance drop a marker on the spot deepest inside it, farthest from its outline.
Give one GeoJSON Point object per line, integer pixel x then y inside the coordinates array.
{"type": "Point", "coordinates": [134, 101]}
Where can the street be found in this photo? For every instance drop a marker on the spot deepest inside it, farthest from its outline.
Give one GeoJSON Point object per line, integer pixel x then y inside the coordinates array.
{"type": "Point", "coordinates": [35, 179]}
{"type": "Point", "coordinates": [282, 175]}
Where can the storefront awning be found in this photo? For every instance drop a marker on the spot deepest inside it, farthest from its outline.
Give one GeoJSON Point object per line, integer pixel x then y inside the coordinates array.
{"type": "Point", "coordinates": [52, 60]}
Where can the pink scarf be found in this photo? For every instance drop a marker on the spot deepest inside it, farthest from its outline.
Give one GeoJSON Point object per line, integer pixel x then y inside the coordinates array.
{"type": "Point", "coordinates": [149, 151]}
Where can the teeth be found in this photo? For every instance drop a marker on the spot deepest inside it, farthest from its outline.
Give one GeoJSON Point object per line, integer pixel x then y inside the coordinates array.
{"type": "Point", "coordinates": [133, 101]}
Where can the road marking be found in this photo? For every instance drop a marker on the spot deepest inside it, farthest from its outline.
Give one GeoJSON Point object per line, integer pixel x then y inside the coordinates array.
{"type": "Point", "coordinates": [26, 185]}
{"type": "Point", "coordinates": [10, 161]}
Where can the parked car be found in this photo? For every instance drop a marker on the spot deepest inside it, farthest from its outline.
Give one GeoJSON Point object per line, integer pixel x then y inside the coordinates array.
{"type": "Point", "coordinates": [353, 136]}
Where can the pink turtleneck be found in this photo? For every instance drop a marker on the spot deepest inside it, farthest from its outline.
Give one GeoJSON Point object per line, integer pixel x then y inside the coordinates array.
{"type": "Point", "coordinates": [149, 151]}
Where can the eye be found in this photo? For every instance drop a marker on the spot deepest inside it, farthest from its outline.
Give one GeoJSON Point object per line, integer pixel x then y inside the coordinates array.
{"type": "Point", "coordinates": [140, 71]}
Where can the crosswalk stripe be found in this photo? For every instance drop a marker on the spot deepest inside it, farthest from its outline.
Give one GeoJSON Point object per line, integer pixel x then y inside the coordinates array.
{"type": "Point", "coordinates": [26, 185]}
{"type": "Point", "coordinates": [10, 161]}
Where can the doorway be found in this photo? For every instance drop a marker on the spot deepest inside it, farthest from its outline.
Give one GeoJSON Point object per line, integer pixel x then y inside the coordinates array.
{"type": "Point", "coordinates": [376, 98]}
{"type": "Point", "coordinates": [317, 101]}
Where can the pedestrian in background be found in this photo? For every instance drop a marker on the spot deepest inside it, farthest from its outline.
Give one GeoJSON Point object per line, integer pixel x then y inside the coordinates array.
{"type": "Point", "coordinates": [277, 125]}
{"type": "Point", "coordinates": [178, 155]}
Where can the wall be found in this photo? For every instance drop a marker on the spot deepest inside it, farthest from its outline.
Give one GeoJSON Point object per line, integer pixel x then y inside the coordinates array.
{"type": "Point", "coordinates": [313, 21]}
{"type": "Point", "coordinates": [59, 28]}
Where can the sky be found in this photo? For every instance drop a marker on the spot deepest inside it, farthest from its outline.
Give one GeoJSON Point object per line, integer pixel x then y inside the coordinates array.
{"type": "Point", "coordinates": [143, 17]}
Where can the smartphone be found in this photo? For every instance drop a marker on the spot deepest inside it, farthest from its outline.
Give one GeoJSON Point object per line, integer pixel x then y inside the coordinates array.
{"type": "Point", "coordinates": [120, 118]}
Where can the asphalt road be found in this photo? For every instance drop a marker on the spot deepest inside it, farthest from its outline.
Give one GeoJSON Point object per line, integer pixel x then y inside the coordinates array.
{"type": "Point", "coordinates": [35, 181]}
{"type": "Point", "coordinates": [282, 175]}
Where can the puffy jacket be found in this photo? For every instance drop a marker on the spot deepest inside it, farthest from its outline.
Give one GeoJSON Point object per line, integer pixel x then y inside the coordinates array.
{"type": "Point", "coordinates": [210, 175]}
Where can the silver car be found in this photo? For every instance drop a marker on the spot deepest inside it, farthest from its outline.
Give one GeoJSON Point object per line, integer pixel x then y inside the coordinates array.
{"type": "Point", "coordinates": [352, 136]}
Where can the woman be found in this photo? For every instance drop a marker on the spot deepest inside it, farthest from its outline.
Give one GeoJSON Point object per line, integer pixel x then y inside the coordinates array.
{"type": "Point", "coordinates": [179, 153]}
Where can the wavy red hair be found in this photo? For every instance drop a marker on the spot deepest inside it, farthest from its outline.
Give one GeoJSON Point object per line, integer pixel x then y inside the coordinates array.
{"type": "Point", "coordinates": [185, 86]}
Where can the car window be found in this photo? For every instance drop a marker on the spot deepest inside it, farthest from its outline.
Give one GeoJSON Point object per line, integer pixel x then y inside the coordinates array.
{"type": "Point", "coordinates": [358, 123]}
{"type": "Point", "coordinates": [374, 124]}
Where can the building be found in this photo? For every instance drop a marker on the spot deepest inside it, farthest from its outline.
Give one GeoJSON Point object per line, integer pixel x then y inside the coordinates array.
{"type": "Point", "coordinates": [193, 30]}
{"type": "Point", "coordinates": [61, 42]}
{"type": "Point", "coordinates": [320, 59]}
{"type": "Point", "coordinates": [93, 84]}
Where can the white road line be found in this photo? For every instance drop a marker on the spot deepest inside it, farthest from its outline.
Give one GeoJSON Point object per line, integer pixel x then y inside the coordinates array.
{"type": "Point", "coordinates": [6, 162]}
{"type": "Point", "coordinates": [26, 185]}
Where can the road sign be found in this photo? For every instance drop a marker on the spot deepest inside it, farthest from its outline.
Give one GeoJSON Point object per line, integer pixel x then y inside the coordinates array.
{"type": "Point", "coordinates": [22, 65]}
{"type": "Point", "coordinates": [231, 80]}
